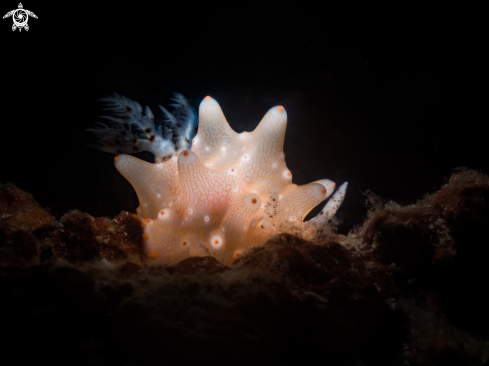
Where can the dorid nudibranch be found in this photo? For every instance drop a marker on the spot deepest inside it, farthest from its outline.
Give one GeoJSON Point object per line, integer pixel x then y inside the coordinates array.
{"type": "Point", "coordinates": [224, 201]}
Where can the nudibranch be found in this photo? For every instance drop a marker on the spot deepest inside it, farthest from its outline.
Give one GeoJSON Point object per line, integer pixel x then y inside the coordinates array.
{"type": "Point", "coordinates": [227, 193]}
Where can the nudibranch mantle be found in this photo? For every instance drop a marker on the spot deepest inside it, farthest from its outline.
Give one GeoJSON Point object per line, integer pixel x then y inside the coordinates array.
{"type": "Point", "coordinates": [230, 192]}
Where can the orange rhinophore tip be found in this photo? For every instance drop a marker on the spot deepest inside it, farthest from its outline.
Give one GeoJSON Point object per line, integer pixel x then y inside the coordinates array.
{"type": "Point", "coordinates": [207, 98]}
{"type": "Point", "coordinates": [146, 236]}
{"type": "Point", "coordinates": [153, 255]}
{"type": "Point", "coordinates": [185, 153]}
{"type": "Point", "coordinates": [333, 184]}
{"type": "Point", "coordinates": [116, 158]}
{"type": "Point", "coordinates": [289, 174]}
{"type": "Point", "coordinates": [280, 108]}
{"type": "Point", "coordinates": [162, 212]}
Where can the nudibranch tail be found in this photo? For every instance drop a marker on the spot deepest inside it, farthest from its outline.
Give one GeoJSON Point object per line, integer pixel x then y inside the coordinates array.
{"type": "Point", "coordinates": [331, 207]}
{"type": "Point", "coordinates": [226, 193]}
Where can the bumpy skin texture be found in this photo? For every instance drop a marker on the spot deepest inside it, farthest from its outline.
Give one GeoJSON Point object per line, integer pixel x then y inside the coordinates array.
{"type": "Point", "coordinates": [230, 192]}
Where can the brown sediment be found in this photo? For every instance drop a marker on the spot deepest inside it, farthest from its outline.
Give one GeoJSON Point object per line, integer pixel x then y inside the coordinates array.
{"type": "Point", "coordinates": [408, 286]}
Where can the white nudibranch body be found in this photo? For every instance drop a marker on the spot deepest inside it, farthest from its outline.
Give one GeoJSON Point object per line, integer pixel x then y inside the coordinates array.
{"type": "Point", "coordinates": [223, 199]}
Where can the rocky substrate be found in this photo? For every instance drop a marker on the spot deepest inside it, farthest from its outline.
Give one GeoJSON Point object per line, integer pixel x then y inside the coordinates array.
{"type": "Point", "coordinates": [409, 287]}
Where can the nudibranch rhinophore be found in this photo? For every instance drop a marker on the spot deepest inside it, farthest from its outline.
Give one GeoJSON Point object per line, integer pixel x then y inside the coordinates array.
{"type": "Point", "coordinates": [229, 192]}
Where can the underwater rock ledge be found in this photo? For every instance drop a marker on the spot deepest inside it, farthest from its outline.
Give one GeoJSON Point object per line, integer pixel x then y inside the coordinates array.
{"type": "Point", "coordinates": [406, 287]}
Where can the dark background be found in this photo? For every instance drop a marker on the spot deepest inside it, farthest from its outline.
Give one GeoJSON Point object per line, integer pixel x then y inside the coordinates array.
{"type": "Point", "coordinates": [388, 99]}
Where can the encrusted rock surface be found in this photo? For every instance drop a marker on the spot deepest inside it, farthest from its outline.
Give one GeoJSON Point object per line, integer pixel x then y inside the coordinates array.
{"type": "Point", "coordinates": [407, 288]}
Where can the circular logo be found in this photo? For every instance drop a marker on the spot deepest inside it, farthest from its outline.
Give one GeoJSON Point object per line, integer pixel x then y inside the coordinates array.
{"type": "Point", "coordinates": [20, 17]}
